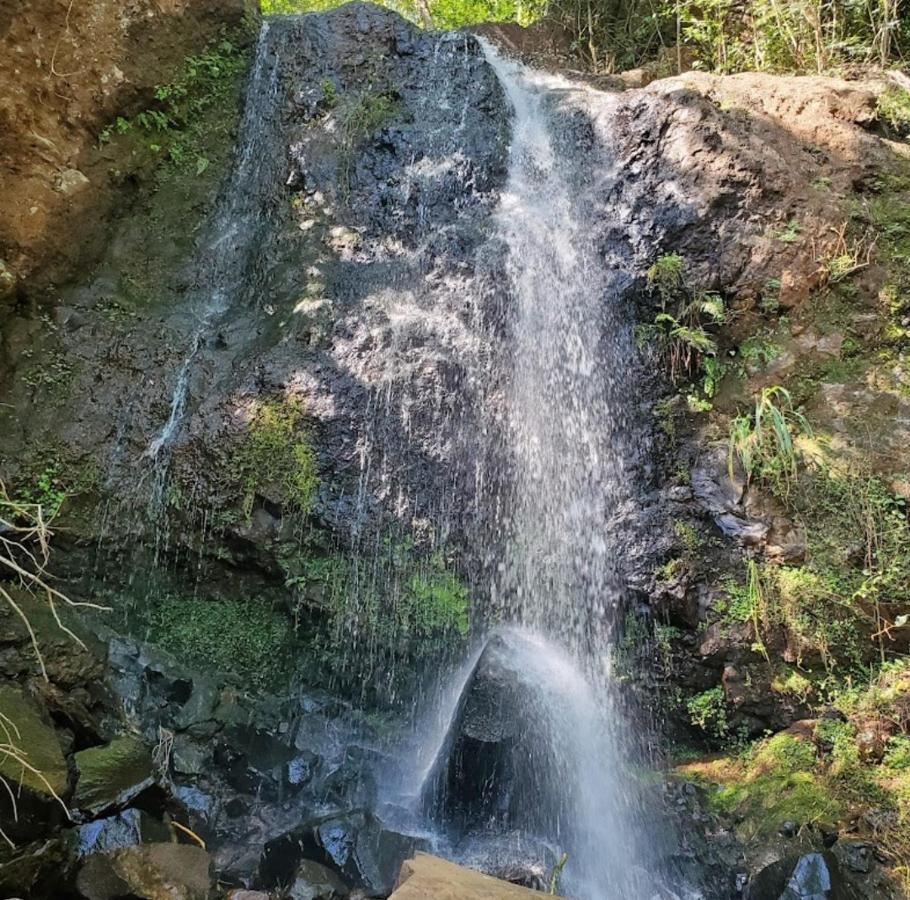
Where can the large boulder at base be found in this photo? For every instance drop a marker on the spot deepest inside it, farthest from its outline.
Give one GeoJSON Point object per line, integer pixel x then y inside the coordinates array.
{"type": "Point", "coordinates": [489, 766]}
{"type": "Point", "coordinates": [112, 775]}
{"type": "Point", "coordinates": [149, 872]}
{"type": "Point", "coordinates": [29, 731]}
{"type": "Point", "coordinates": [428, 877]}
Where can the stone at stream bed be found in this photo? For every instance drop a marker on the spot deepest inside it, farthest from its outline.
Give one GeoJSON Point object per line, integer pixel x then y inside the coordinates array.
{"type": "Point", "coordinates": [428, 877]}
{"type": "Point", "coordinates": [27, 729]}
{"type": "Point", "coordinates": [256, 762]}
{"type": "Point", "coordinates": [812, 876]}
{"type": "Point", "coordinates": [126, 829]}
{"type": "Point", "coordinates": [148, 872]}
{"type": "Point", "coordinates": [112, 775]}
{"type": "Point", "coordinates": [315, 882]}
{"type": "Point", "coordinates": [356, 846]}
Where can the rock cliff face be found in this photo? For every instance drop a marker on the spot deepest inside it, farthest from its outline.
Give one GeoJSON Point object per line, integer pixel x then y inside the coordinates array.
{"type": "Point", "coordinates": [273, 394]}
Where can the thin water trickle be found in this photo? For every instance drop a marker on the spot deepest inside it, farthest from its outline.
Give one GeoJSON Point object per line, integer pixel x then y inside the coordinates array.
{"type": "Point", "coordinates": [225, 267]}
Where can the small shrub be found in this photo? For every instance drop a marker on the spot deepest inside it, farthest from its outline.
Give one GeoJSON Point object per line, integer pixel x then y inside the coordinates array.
{"type": "Point", "coordinates": [708, 711]}
{"type": "Point", "coordinates": [666, 276]}
{"type": "Point", "coordinates": [790, 233]}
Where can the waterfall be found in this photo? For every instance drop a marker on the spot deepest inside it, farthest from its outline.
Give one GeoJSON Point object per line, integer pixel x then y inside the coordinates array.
{"type": "Point", "coordinates": [564, 381]}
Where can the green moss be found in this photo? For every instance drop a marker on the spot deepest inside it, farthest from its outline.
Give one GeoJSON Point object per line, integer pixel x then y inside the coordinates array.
{"type": "Point", "coordinates": [112, 774]}
{"type": "Point", "coordinates": [690, 539]}
{"type": "Point", "coordinates": [774, 782]}
{"type": "Point", "coordinates": [435, 600]}
{"type": "Point", "coordinates": [244, 638]}
{"type": "Point", "coordinates": [670, 570]}
{"type": "Point", "coordinates": [275, 454]}
{"type": "Point", "coordinates": [397, 602]}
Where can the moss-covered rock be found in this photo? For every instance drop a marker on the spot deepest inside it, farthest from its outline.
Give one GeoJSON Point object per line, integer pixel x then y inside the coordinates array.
{"type": "Point", "coordinates": [35, 760]}
{"type": "Point", "coordinates": [112, 775]}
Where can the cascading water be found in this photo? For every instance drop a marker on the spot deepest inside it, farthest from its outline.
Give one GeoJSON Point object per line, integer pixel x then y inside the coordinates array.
{"type": "Point", "coordinates": [536, 741]}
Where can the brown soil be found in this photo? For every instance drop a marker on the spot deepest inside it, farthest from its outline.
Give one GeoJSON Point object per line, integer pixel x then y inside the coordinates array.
{"type": "Point", "coordinates": [66, 69]}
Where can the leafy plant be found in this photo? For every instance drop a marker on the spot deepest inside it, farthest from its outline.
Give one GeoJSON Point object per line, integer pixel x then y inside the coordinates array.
{"type": "Point", "coordinates": [763, 442]}
{"type": "Point", "coordinates": [666, 276]}
{"type": "Point", "coordinates": [708, 711]}
{"type": "Point", "coordinates": [790, 233]}
{"type": "Point", "coordinates": [177, 117]}
{"type": "Point", "coordinates": [682, 338]}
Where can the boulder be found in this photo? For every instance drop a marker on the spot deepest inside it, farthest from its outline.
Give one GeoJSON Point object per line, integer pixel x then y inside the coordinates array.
{"type": "Point", "coordinates": [812, 876]}
{"type": "Point", "coordinates": [256, 762]}
{"type": "Point", "coordinates": [490, 764]}
{"type": "Point", "coordinates": [428, 877]}
{"type": "Point", "coordinates": [148, 872]}
{"type": "Point", "coordinates": [111, 776]}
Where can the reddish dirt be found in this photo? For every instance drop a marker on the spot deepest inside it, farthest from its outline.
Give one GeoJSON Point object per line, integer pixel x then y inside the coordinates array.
{"type": "Point", "coordinates": [67, 67]}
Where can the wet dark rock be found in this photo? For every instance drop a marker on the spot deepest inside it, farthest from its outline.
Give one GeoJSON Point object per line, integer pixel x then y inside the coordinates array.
{"type": "Point", "coordinates": [148, 872]}
{"type": "Point", "coordinates": [356, 846]}
{"type": "Point", "coordinates": [315, 882]}
{"type": "Point", "coordinates": [126, 829]}
{"type": "Point", "coordinates": [190, 757]}
{"type": "Point", "coordinates": [111, 776]}
{"type": "Point", "coordinates": [857, 856]}
{"type": "Point", "coordinates": [812, 876]}
{"type": "Point", "coordinates": [44, 868]}
{"type": "Point", "coordinates": [788, 829]}
{"type": "Point", "coordinates": [474, 777]}
{"type": "Point", "coordinates": [256, 762]}
{"type": "Point", "coordinates": [810, 880]}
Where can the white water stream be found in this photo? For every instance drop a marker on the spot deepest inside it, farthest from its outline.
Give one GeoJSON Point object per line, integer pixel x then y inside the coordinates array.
{"type": "Point", "coordinates": [565, 394]}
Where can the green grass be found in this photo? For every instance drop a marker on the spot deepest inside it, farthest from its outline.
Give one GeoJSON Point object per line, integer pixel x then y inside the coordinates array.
{"type": "Point", "coordinates": [893, 108]}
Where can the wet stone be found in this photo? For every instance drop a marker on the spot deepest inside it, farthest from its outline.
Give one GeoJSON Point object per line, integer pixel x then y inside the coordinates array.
{"type": "Point", "coordinates": [126, 829]}
{"type": "Point", "coordinates": [149, 872]}
{"type": "Point", "coordinates": [112, 775]}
